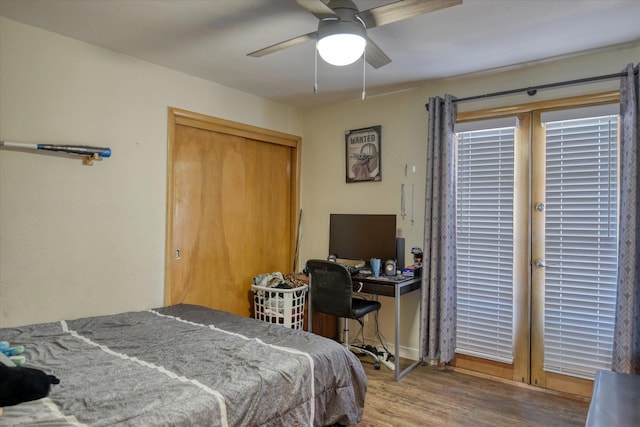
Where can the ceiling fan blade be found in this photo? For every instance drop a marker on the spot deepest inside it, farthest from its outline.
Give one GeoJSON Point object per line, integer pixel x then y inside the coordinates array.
{"type": "Point", "coordinates": [374, 55]}
{"type": "Point", "coordinates": [283, 45]}
{"type": "Point", "coordinates": [403, 9]}
{"type": "Point", "coordinates": [317, 8]}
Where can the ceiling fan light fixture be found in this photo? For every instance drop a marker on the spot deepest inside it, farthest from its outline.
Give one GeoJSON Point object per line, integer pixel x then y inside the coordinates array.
{"type": "Point", "coordinates": [341, 42]}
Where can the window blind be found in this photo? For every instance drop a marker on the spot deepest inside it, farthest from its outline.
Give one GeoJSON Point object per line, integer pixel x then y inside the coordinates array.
{"type": "Point", "coordinates": [581, 245]}
{"type": "Point", "coordinates": [485, 243]}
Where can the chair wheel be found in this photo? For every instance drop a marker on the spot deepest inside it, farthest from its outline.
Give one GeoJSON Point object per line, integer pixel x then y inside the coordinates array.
{"type": "Point", "coordinates": [376, 366]}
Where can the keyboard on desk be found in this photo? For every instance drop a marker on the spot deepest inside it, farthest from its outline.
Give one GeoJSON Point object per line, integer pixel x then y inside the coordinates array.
{"type": "Point", "coordinates": [382, 279]}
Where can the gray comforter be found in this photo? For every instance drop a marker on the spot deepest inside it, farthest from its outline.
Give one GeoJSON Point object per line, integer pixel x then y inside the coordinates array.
{"type": "Point", "coordinates": [187, 365]}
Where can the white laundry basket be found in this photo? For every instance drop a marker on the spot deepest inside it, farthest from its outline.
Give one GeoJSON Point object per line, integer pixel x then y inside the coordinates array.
{"type": "Point", "coordinates": [282, 306]}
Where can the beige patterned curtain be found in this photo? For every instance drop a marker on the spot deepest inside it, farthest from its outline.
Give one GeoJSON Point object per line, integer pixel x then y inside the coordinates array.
{"type": "Point", "coordinates": [626, 338]}
{"type": "Point", "coordinates": [438, 314]}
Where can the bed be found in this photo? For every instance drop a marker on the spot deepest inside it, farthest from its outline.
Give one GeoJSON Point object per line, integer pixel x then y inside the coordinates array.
{"type": "Point", "coordinates": [187, 365]}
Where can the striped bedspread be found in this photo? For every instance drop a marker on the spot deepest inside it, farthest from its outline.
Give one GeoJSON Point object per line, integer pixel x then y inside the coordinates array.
{"type": "Point", "coordinates": [186, 365]}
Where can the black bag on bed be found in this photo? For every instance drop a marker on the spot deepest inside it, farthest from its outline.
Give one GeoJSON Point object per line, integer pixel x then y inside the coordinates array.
{"type": "Point", "coordinates": [21, 384]}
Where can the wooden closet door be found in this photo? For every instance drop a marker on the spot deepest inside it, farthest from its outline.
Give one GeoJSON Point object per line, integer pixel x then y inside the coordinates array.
{"type": "Point", "coordinates": [268, 218]}
{"type": "Point", "coordinates": [231, 216]}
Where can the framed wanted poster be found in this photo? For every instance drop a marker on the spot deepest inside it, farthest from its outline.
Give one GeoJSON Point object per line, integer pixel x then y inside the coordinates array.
{"type": "Point", "coordinates": [363, 154]}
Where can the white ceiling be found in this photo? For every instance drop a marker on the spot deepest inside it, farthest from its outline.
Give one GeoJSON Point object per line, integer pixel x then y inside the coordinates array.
{"type": "Point", "coordinates": [210, 39]}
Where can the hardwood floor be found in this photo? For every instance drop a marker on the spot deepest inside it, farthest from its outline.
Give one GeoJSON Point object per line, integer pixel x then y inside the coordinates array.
{"type": "Point", "coordinates": [431, 396]}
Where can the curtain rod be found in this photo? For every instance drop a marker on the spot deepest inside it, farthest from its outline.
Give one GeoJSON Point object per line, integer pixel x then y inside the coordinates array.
{"type": "Point", "coordinates": [532, 90]}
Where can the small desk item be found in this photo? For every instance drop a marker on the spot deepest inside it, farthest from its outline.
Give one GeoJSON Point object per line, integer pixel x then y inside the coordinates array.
{"type": "Point", "coordinates": [614, 402]}
{"type": "Point", "coordinates": [375, 264]}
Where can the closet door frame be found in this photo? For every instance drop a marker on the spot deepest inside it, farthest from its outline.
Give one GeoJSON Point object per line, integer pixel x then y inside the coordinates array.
{"type": "Point", "coordinates": [182, 117]}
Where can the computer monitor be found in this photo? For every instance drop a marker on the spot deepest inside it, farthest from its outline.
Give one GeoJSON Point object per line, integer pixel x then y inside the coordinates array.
{"type": "Point", "coordinates": [362, 236]}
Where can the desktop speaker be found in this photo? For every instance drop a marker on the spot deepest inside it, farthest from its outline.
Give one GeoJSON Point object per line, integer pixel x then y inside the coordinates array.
{"type": "Point", "coordinates": [400, 252]}
{"type": "Point", "coordinates": [390, 267]}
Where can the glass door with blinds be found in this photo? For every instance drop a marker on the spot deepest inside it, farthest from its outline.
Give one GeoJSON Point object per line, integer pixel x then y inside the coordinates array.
{"type": "Point", "coordinates": [536, 245]}
{"type": "Point", "coordinates": [575, 177]}
{"type": "Point", "coordinates": [491, 241]}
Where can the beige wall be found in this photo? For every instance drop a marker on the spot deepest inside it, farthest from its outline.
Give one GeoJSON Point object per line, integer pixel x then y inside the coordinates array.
{"type": "Point", "coordinates": [81, 240]}
{"type": "Point", "coordinates": [404, 132]}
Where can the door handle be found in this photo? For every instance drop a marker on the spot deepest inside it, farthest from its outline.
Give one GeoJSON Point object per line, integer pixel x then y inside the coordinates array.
{"type": "Point", "coordinates": [542, 263]}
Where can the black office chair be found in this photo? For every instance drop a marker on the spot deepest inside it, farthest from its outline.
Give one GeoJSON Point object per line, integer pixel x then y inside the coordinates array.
{"type": "Point", "coordinates": [332, 293]}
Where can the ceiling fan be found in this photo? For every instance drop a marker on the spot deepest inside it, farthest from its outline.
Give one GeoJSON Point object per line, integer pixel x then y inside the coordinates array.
{"type": "Point", "coordinates": [341, 18]}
